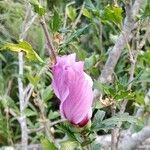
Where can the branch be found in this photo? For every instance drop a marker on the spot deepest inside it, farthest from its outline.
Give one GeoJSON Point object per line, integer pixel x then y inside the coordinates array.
{"type": "Point", "coordinates": [20, 83]}
{"type": "Point", "coordinates": [42, 127]}
{"type": "Point", "coordinates": [132, 141]}
{"type": "Point", "coordinates": [133, 60]}
{"type": "Point", "coordinates": [113, 131]}
{"type": "Point", "coordinates": [128, 143]}
{"type": "Point", "coordinates": [142, 43]}
{"type": "Point", "coordinates": [43, 119]}
{"type": "Point", "coordinates": [106, 75]}
{"type": "Point", "coordinates": [51, 49]}
{"type": "Point", "coordinates": [22, 118]}
{"type": "Point", "coordinates": [29, 88]}
{"type": "Point", "coordinates": [124, 37]}
{"type": "Point", "coordinates": [28, 95]}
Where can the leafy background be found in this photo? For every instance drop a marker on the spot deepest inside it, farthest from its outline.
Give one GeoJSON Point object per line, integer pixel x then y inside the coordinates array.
{"type": "Point", "coordinates": [91, 38]}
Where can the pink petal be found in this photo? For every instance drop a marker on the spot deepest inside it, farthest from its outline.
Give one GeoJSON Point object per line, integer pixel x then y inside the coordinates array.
{"type": "Point", "coordinates": [74, 88]}
{"type": "Point", "coordinates": [79, 101]}
{"type": "Point", "coordinates": [59, 84]}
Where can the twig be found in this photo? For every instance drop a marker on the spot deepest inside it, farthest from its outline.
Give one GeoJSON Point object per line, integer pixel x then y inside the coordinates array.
{"type": "Point", "coordinates": [65, 18]}
{"type": "Point", "coordinates": [142, 43]}
{"type": "Point", "coordinates": [139, 113]}
{"type": "Point", "coordinates": [113, 131]}
{"type": "Point", "coordinates": [44, 121]}
{"type": "Point", "coordinates": [42, 127]}
{"type": "Point", "coordinates": [30, 131]}
{"type": "Point", "coordinates": [10, 141]}
{"type": "Point", "coordinates": [12, 112]}
{"type": "Point", "coordinates": [56, 122]}
{"type": "Point", "coordinates": [28, 95]}
{"type": "Point", "coordinates": [79, 16]}
{"type": "Point", "coordinates": [9, 87]}
{"type": "Point", "coordinates": [20, 83]}
{"type": "Point", "coordinates": [22, 118]}
{"type": "Point", "coordinates": [101, 36]}
{"type": "Point", "coordinates": [29, 88]}
{"type": "Point", "coordinates": [26, 90]}
{"type": "Point", "coordinates": [51, 49]}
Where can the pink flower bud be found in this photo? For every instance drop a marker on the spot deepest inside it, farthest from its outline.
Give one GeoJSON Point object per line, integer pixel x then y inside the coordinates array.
{"type": "Point", "coordinates": [74, 89]}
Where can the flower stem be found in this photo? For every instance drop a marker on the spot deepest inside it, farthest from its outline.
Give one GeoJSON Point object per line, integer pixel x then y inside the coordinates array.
{"type": "Point", "coordinates": [51, 49]}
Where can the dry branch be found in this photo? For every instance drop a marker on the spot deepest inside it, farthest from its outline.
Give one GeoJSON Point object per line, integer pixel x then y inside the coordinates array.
{"type": "Point", "coordinates": [124, 37]}
{"type": "Point", "coordinates": [129, 142]}
{"type": "Point", "coordinates": [29, 18]}
{"type": "Point", "coordinates": [51, 48]}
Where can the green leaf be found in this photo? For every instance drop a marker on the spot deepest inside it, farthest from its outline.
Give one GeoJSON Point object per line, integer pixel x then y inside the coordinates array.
{"type": "Point", "coordinates": [47, 145]}
{"type": "Point", "coordinates": [146, 12]}
{"type": "Point", "coordinates": [81, 54]}
{"type": "Point", "coordinates": [140, 98]}
{"type": "Point", "coordinates": [113, 121]}
{"type": "Point", "coordinates": [112, 13]}
{"type": "Point", "coordinates": [99, 116]}
{"type": "Point", "coordinates": [33, 79]}
{"type": "Point", "coordinates": [120, 95]}
{"type": "Point", "coordinates": [69, 145]}
{"type": "Point", "coordinates": [89, 62]}
{"type": "Point", "coordinates": [25, 47]}
{"type": "Point", "coordinates": [2, 58]}
{"type": "Point", "coordinates": [95, 146]}
{"type": "Point", "coordinates": [113, 38]}
{"type": "Point", "coordinates": [38, 8]}
{"type": "Point", "coordinates": [75, 35]}
{"type": "Point", "coordinates": [47, 93]}
{"type": "Point", "coordinates": [89, 4]}
{"type": "Point", "coordinates": [53, 115]}
{"type": "Point", "coordinates": [70, 131]}
{"type": "Point", "coordinates": [65, 128]}
{"type": "Point", "coordinates": [55, 21]}
{"type": "Point", "coordinates": [87, 13]}
{"type": "Point", "coordinates": [98, 105]}
{"type": "Point", "coordinates": [7, 101]}
{"type": "Point", "coordinates": [120, 118]}
{"type": "Point", "coordinates": [87, 141]}
{"type": "Point", "coordinates": [104, 88]}
{"type": "Point", "coordinates": [28, 112]}
{"type": "Point", "coordinates": [71, 12]}
{"type": "Point", "coordinates": [4, 132]}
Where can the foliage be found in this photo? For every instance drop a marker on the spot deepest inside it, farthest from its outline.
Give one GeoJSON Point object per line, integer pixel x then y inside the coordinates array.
{"type": "Point", "coordinates": [92, 39]}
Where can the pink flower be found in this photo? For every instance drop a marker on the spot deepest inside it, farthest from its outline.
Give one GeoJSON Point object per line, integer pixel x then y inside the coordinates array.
{"type": "Point", "coordinates": [74, 89]}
